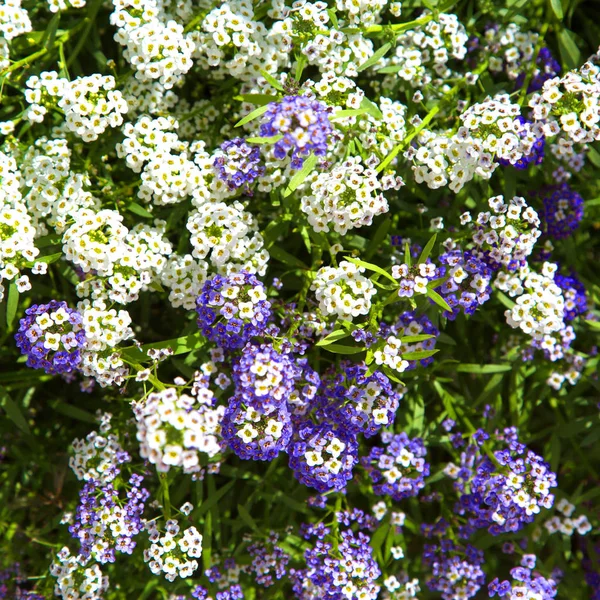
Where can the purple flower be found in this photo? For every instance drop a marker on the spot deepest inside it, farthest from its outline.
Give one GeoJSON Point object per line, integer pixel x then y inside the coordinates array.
{"type": "Point", "coordinates": [304, 125]}
{"type": "Point", "coordinates": [52, 336]}
{"type": "Point", "coordinates": [563, 210]}
{"type": "Point", "coordinates": [238, 164]}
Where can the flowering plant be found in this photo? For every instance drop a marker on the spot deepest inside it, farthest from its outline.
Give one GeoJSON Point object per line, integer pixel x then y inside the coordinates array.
{"type": "Point", "coordinates": [299, 299]}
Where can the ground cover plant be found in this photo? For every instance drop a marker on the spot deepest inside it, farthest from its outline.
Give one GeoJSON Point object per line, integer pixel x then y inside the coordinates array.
{"type": "Point", "coordinates": [299, 299]}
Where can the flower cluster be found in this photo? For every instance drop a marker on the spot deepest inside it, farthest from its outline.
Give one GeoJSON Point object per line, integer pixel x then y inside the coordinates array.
{"type": "Point", "coordinates": [232, 310]}
{"type": "Point", "coordinates": [505, 236]}
{"type": "Point", "coordinates": [303, 125]}
{"type": "Point", "coordinates": [78, 578]}
{"type": "Point", "coordinates": [343, 291]}
{"type": "Point", "coordinates": [349, 571]}
{"type": "Point", "coordinates": [411, 324]}
{"type": "Point", "coordinates": [172, 432]}
{"type": "Point", "coordinates": [103, 523]}
{"type": "Point", "coordinates": [526, 583]}
{"type": "Point", "coordinates": [397, 470]}
{"type": "Point", "coordinates": [238, 164]}
{"type": "Point", "coordinates": [563, 211]}
{"type": "Point", "coordinates": [574, 294]}
{"type": "Point", "coordinates": [347, 197]}
{"type": "Point", "coordinates": [172, 552]}
{"type": "Point", "coordinates": [566, 522]}
{"type": "Point", "coordinates": [52, 336]}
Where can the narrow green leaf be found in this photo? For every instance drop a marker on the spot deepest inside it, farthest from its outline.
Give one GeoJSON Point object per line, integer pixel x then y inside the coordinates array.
{"type": "Point", "coordinates": [505, 300]}
{"type": "Point", "coordinates": [340, 349]}
{"type": "Point", "coordinates": [272, 81]}
{"type": "Point", "coordinates": [380, 53]}
{"type": "Point", "coordinates": [447, 400]}
{"type": "Point", "coordinates": [407, 257]}
{"type": "Point", "coordinates": [13, 412]}
{"type": "Point", "coordinates": [264, 140]}
{"type": "Point", "coordinates": [12, 304]}
{"type": "Point", "coordinates": [421, 337]}
{"type": "Point", "coordinates": [214, 499]}
{"type": "Point", "coordinates": [301, 62]}
{"type": "Point", "coordinates": [557, 9]}
{"type": "Point", "coordinates": [593, 324]}
{"type": "Point", "coordinates": [482, 369]}
{"type": "Point", "coordinates": [258, 99]}
{"type": "Point", "coordinates": [420, 354]}
{"type": "Point", "coordinates": [379, 236]}
{"type": "Point", "coordinates": [253, 115]}
{"type": "Point", "coordinates": [139, 210]}
{"type": "Point", "coordinates": [342, 114]}
{"type": "Point", "coordinates": [427, 250]}
{"type": "Point", "coordinates": [371, 108]}
{"type": "Point", "coordinates": [389, 158]}
{"type": "Point", "coordinates": [309, 164]}
{"type": "Point", "coordinates": [286, 258]}
{"type": "Point", "coordinates": [371, 267]}
{"type": "Point", "coordinates": [338, 334]}
{"type": "Point", "coordinates": [438, 299]}
{"type": "Point", "coordinates": [568, 49]}
{"type": "Point", "coordinates": [180, 345]}
{"type": "Point", "coordinates": [247, 518]}
{"type": "Point", "coordinates": [74, 412]}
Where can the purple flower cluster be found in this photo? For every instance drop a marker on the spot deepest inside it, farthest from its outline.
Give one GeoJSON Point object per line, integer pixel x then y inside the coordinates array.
{"type": "Point", "coordinates": [52, 336]}
{"type": "Point", "coordinates": [346, 570]}
{"type": "Point", "coordinates": [505, 494]}
{"type": "Point", "coordinates": [456, 570]}
{"type": "Point", "coordinates": [563, 211]}
{"type": "Point", "coordinates": [525, 584]}
{"type": "Point", "coordinates": [304, 125]}
{"type": "Point", "coordinates": [232, 310]}
{"type": "Point", "coordinates": [468, 283]}
{"type": "Point", "coordinates": [398, 470]}
{"type": "Point", "coordinates": [409, 323]}
{"type": "Point", "coordinates": [322, 456]}
{"type": "Point", "coordinates": [548, 68]}
{"type": "Point", "coordinates": [574, 293]}
{"type": "Point", "coordinates": [535, 155]}
{"type": "Point", "coordinates": [102, 524]}
{"type": "Point", "coordinates": [358, 402]}
{"type": "Point", "coordinates": [269, 562]}
{"type": "Point", "coordinates": [238, 164]}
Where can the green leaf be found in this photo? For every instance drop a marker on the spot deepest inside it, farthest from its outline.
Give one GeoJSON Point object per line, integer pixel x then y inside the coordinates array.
{"type": "Point", "coordinates": [447, 399]}
{"type": "Point", "coordinates": [343, 114]}
{"type": "Point", "coordinates": [214, 499]}
{"type": "Point", "coordinates": [286, 258]}
{"type": "Point", "coordinates": [74, 412]}
{"type": "Point", "coordinates": [376, 56]}
{"type": "Point", "coordinates": [301, 62]}
{"type": "Point", "coordinates": [48, 259]}
{"type": "Point", "coordinates": [557, 9]}
{"type": "Point", "coordinates": [247, 518]}
{"type": "Point", "coordinates": [13, 412]}
{"type": "Point", "coordinates": [272, 81]}
{"type": "Point", "coordinates": [340, 349]}
{"type": "Point", "coordinates": [264, 140]}
{"type": "Point", "coordinates": [407, 257]}
{"type": "Point", "coordinates": [309, 164]}
{"type": "Point", "coordinates": [438, 299]}
{"type": "Point", "coordinates": [253, 115]}
{"type": "Point", "coordinates": [338, 334]}
{"type": "Point", "coordinates": [258, 99]}
{"type": "Point", "coordinates": [379, 236]}
{"type": "Point", "coordinates": [371, 267]}
{"type": "Point", "coordinates": [371, 108]}
{"type": "Point", "coordinates": [482, 369]}
{"type": "Point", "coordinates": [420, 354]}
{"type": "Point", "coordinates": [427, 250]}
{"type": "Point", "coordinates": [568, 49]}
{"type": "Point", "coordinates": [139, 210]}
{"type": "Point", "coordinates": [593, 324]}
{"type": "Point", "coordinates": [12, 304]}
{"type": "Point", "coordinates": [389, 158]}
{"type": "Point", "coordinates": [505, 300]}
{"type": "Point", "coordinates": [421, 337]}
{"type": "Point", "coordinates": [180, 345]}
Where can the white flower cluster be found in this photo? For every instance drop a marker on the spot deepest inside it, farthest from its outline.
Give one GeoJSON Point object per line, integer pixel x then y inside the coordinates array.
{"type": "Point", "coordinates": [155, 45]}
{"type": "Point", "coordinates": [382, 135]}
{"type": "Point", "coordinates": [78, 578]}
{"type": "Point", "coordinates": [401, 589]}
{"type": "Point", "coordinates": [227, 236]}
{"type": "Point", "coordinates": [14, 20]}
{"type": "Point", "coordinates": [170, 553]}
{"type": "Point", "coordinates": [390, 355]}
{"type": "Point", "coordinates": [94, 456]}
{"type": "Point", "coordinates": [52, 191]}
{"type": "Point", "coordinates": [347, 197]}
{"type": "Point", "coordinates": [422, 54]}
{"type": "Point", "coordinates": [328, 456]}
{"type": "Point", "coordinates": [58, 5]}
{"type": "Point", "coordinates": [343, 291]}
{"type": "Point", "coordinates": [573, 366]}
{"type": "Point", "coordinates": [104, 330]}
{"type": "Point", "coordinates": [510, 49]}
{"type": "Point", "coordinates": [360, 12]}
{"type": "Point", "coordinates": [508, 233]}
{"type": "Point", "coordinates": [570, 104]}
{"type": "Point", "coordinates": [120, 262]}
{"type": "Point", "coordinates": [171, 430]}
{"type": "Point", "coordinates": [185, 276]}
{"type": "Point", "coordinates": [91, 104]}
{"type": "Point", "coordinates": [565, 523]}
{"type": "Point", "coordinates": [232, 44]}
{"type": "Point", "coordinates": [539, 304]}
{"type": "Point", "coordinates": [489, 131]}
